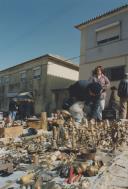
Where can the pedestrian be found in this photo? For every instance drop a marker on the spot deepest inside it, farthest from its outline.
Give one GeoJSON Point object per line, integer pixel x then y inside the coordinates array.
{"type": "Point", "coordinates": [22, 110]}
{"type": "Point", "coordinates": [123, 94]}
{"type": "Point", "coordinates": [29, 109]}
{"type": "Point", "coordinates": [89, 93]}
{"type": "Point", "coordinates": [99, 76]}
{"type": "Point", "coordinates": [12, 109]}
{"type": "Point", "coordinates": [114, 99]}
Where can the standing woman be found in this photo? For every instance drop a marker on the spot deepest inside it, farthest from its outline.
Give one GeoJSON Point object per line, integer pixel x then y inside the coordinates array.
{"type": "Point", "coordinates": [99, 76]}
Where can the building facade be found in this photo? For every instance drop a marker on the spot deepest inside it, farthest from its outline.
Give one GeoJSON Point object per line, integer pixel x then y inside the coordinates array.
{"type": "Point", "coordinates": [46, 77]}
{"type": "Point", "coordinates": [104, 41]}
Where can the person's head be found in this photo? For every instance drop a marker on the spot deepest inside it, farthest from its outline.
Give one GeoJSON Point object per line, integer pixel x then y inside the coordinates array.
{"type": "Point", "coordinates": [95, 89]}
{"type": "Point", "coordinates": [98, 70]}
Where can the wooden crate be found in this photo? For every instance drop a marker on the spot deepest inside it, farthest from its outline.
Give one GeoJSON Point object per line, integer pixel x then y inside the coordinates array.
{"type": "Point", "coordinates": [38, 123]}
{"type": "Point", "coordinates": [34, 124]}
{"type": "Point", "coordinates": [11, 132]}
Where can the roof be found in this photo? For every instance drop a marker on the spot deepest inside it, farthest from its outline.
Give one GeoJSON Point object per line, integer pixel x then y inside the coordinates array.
{"type": "Point", "coordinates": [56, 58]}
{"type": "Point", "coordinates": [62, 59]}
{"type": "Point", "coordinates": [102, 16]}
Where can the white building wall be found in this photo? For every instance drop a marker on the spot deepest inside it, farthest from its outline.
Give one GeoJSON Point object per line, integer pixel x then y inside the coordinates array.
{"type": "Point", "coordinates": [86, 69]}
{"type": "Point", "coordinates": [58, 77]}
{"type": "Point", "coordinates": [62, 72]}
{"type": "Point", "coordinates": [91, 52]}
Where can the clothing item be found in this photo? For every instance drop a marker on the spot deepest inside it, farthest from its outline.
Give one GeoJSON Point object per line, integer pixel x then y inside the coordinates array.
{"type": "Point", "coordinates": [95, 88]}
{"type": "Point", "coordinates": [114, 101]}
{"type": "Point", "coordinates": [12, 106]}
{"type": "Point", "coordinates": [123, 94]}
{"type": "Point", "coordinates": [123, 113]}
{"type": "Point", "coordinates": [81, 91]}
{"type": "Point", "coordinates": [104, 82]}
{"type": "Point", "coordinates": [123, 88]}
{"type": "Point", "coordinates": [78, 89]}
{"type": "Point", "coordinates": [67, 103]}
{"type": "Point", "coordinates": [76, 111]}
{"type": "Point", "coordinates": [12, 114]}
{"type": "Point", "coordinates": [101, 108]}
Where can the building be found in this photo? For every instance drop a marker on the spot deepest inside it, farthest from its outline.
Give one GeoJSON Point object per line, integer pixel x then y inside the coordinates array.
{"type": "Point", "coordinates": [104, 41]}
{"type": "Point", "coordinates": [45, 77]}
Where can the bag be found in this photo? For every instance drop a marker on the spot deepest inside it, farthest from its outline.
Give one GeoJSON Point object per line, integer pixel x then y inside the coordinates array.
{"type": "Point", "coordinates": [64, 172]}
{"type": "Point", "coordinates": [32, 131]}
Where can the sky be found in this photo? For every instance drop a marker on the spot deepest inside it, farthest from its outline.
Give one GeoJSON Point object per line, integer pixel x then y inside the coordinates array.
{"type": "Point", "coordinates": [33, 28]}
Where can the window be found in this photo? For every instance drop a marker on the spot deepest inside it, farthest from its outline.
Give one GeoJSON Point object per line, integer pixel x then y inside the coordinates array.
{"type": "Point", "coordinates": [115, 73]}
{"type": "Point", "coordinates": [23, 76]}
{"type": "Point", "coordinates": [108, 33]}
{"type": "Point", "coordinates": [37, 73]}
{"type": "Point", "coordinates": [0, 80]}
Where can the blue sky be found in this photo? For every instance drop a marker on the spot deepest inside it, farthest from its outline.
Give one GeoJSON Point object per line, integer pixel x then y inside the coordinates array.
{"type": "Point", "coordinates": [32, 28]}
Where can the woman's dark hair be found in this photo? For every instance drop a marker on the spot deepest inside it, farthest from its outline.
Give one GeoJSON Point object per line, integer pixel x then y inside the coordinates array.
{"type": "Point", "coordinates": [95, 70]}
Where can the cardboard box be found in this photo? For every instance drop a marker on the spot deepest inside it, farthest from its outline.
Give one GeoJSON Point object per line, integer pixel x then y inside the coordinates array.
{"type": "Point", "coordinates": [11, 132]}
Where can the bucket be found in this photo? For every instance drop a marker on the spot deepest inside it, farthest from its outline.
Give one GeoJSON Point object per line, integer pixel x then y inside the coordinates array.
{"type": "Point", "coordinates": [1, 116]}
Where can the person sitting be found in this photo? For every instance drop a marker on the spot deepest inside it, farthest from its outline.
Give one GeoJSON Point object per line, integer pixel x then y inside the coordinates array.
{"type": "Point", "coordinates": [84, 91]}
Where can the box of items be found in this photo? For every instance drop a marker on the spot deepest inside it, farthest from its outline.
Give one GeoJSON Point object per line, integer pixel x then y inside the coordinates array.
{"type": "Point", "coordinates": [11, 132]}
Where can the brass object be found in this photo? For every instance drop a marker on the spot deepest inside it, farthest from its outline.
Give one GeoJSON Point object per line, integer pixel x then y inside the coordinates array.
{"type": "Point", "coordinates": [35, 159]}
{"type": "Point", "coordinates": [92, 171]}
{"type": "Point", "coordinates": [54, 133]}
{"type": "Point", "coordinates": [84, 166]}
{"type": "Point", "coordinates": [26, 179]}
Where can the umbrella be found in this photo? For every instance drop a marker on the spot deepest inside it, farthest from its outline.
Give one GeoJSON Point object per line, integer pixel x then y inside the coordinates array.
{"type": "Point", "coordinates": [24, 96]}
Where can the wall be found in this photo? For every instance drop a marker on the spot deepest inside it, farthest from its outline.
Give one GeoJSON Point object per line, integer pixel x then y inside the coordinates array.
{"type": "Point", "coordinates": [90, 52]}
{"type": "Point", "coordinates": [62, 71]}
{"type": "Point", "coordinates": [59, 77]}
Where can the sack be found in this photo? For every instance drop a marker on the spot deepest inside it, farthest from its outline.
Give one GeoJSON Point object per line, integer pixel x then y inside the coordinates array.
{"type": "Point", "coordinates": [32, 131]}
